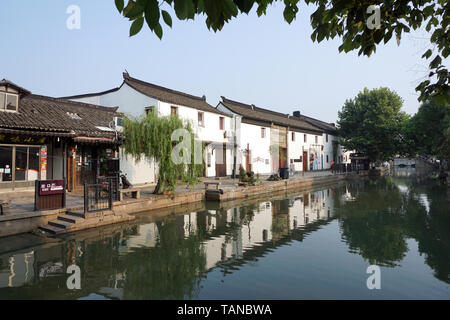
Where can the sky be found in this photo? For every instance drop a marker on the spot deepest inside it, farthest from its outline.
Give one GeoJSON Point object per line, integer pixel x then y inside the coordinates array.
{"type": "Point", "coordinates": [262, 61]}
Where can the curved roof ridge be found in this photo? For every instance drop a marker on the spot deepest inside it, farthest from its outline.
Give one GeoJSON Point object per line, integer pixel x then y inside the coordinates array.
{"type": "Point", "coordinates": [129, 78]}
{"type": "Point", "coordinates": [76, 103]}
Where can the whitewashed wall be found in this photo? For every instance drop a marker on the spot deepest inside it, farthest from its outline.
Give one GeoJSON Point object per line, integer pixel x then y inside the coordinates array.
{"type": "Point", "coordinates": [134, 103]}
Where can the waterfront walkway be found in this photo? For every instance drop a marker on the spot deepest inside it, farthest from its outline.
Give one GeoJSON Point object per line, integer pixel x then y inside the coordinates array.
{"type": "Point", "coordinates": [21, 201]}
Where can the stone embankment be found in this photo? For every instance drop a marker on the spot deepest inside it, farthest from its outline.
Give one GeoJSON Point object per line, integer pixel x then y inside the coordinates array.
{"type": "Point", "coordinates": [71, 220]}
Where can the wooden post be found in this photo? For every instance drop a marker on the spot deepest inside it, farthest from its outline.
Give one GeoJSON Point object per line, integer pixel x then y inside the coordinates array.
{"type": "Point", "coordinates": [86, 203]}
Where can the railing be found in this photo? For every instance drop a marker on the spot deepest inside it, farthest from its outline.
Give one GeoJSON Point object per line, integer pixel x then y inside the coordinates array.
{"type": "Point", "coordinates": [344, 168]}
{"type": "Point", "coordinates": [98, 197]}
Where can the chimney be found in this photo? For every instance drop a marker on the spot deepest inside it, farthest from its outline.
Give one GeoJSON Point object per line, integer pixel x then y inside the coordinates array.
{"type": "Point", "coordinates": [204, 98]}
{"type": "Point", "coordinates": [297, 114]}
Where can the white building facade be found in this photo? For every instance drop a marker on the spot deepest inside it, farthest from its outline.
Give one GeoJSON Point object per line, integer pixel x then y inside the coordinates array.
{"type": "Point", "coordinates": [306, 144]}
{"type": "Point", "coordinates": [211, 126]}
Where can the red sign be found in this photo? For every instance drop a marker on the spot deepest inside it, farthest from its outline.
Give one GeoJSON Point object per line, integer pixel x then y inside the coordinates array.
{"type": "Point", "coordinates": [49, 187]}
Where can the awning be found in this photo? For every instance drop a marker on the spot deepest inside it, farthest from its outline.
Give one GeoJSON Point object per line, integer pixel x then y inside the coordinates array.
{"type": "Point", "coordinates": [95, 140]}
{"type": "Point", "coordinates": [36, 133]}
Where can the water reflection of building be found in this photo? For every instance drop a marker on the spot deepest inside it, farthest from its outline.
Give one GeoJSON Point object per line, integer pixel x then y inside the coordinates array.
{"type": "Point", "coordinates": [245, 228]}
{"type": "Point", "coordinates": [16, 270]}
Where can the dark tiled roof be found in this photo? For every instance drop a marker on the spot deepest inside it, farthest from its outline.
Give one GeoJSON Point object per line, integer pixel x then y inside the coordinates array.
{"type": "Point", "coordinates": [91, 94]}
{"type": "Point", "coordinates": [253, 113]}
{"type": "Point", "coordinates": [51, 114]}
{"type": "Point", "coordinates": [325, 126]}
{"type": "Point", "coordinates": [169, 95]}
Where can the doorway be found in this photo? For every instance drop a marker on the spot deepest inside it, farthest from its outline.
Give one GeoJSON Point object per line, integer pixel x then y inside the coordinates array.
{"type": "Point", "coordinates": [305, 161]}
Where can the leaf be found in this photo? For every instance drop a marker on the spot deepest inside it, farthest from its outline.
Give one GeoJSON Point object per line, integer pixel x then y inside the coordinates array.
{"type": "Point", "coordinates": [427, 54]}
{"type": "Point", "coordinates": [152, 13]}
{"type": "Point", "coordinates": [136, 26]}
{"type": "Point", "coordinates": [119, 5]}
{"type": "Point", "coordinates": [436, 62]}
{"type": "Point", "coordinates": [184, 9]}
{"type": "Point", "coordinates": [133, 10]}
{"type": "Point", "coordinates": [158, 31]}
{"type": "Point", "coordinates": [288, 14]}
{"type": "Point", "coordinates": [245, 5]}
{"type": "Point", "coordinates": [167, 18]}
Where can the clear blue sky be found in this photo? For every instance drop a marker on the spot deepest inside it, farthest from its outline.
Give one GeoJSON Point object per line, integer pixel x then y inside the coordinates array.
{"type": "Point", "coordinates": [263, 60]}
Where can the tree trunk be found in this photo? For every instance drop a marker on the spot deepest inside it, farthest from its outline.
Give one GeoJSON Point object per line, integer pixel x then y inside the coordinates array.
{"type": "Point", "coordinates": [158, 187]}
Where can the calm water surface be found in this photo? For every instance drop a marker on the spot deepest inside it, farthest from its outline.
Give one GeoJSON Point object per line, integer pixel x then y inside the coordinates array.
{"type": "Point", "coordinates": [308, 245]}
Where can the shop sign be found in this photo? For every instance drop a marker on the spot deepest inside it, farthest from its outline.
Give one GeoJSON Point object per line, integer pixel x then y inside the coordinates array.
{"type": "Point", "coordinates": [44, 158]}
{"type": "Point", "coordinates": [19, 139]}
{"type": "Point", "coordinates": [50, 187]}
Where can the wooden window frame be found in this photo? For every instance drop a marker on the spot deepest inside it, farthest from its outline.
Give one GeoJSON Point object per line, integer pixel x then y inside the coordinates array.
{"type": "Point", "coordinates": [6, 94]}
{"type": "Point", "coordinates": [202, 122]}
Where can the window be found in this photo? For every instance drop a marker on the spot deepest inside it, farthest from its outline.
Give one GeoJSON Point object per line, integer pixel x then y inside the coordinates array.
{"type": "Point", "coordinates": [201, 122]}
{"type": "Point", "coordinates": [149, 110]}
{"type": "Point", "coordinates": [2, 100]}
{"type": "Point", "coordinates": [221, 123]}
{"type": "Point", "coordinates": [27, 161]}
{"type": "Point", "coordinates": [8, 102]}
{"type": "Point", "coordinates": [21, 163]}
{"type": "Point", "coordinates": [304, 138]}
{"type": "Point", "coordinates": [74, 116]}
{"type": "Point", "coordinates": [173, 111]}
{"type": "Point", "coordinates": [293, 136]}
{"type": "Point", "coordinates": [327, 138]}
{"type": "Point", "coordinates": [317, 139]}
{"type": "Point", "coordinates": [11, 102]}
{"type": "Point", "coordinates": [5, 163]}
{"type": "Point", "coordinates": [327, 158]}
{"type": "Point", "coordinates": [263, 133]}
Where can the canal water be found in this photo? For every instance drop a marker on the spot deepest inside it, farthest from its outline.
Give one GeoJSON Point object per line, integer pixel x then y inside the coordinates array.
{"type": "Point", "coordinates": [305, 245]}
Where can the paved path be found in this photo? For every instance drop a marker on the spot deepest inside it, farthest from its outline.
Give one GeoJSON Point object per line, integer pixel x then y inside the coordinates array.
{"type": "Point", "coordinates": [22, 200]}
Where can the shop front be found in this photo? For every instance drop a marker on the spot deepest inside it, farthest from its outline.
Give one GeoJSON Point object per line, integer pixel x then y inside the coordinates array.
{"type": "Point", "coordinates": [23, 160]}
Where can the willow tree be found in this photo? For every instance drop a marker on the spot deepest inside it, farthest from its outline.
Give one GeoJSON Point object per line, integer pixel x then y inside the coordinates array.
{"type": "Point", "coordinates": [152, 137]}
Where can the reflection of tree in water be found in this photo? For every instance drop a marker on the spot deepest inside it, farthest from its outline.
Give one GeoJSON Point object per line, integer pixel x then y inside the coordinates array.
{"type": "Point", "coordinates": [378, 223]}
{"type": "Point", "coordinates": [372, 225]}
{"type": "Point", "coordinates": [171, 270]}
{"type": "Point", "coordinates": [431, 230]}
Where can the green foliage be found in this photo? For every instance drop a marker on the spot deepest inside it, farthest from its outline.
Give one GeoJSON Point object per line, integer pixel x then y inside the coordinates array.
{"type": "Point", "coordinates": [429, 130]}
{"type": "Point", "coordinates": [372, 124]}
{"type": "Point", "coordinates": [151, 137]}
{"type": "Point", "coordinates": [248, 177]}
{"type": "Point", "coordinates": [340, 18]}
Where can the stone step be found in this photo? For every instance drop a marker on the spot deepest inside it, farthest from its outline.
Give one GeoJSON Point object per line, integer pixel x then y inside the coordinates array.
{"type": "Point", "coordinates": [51, 229]}
{"type": "Point", "coordinates": [61, 224]}
{"type": "Point", "coordinates": [79, 214]}
{"type": "Point", "coordinates": [71, 218]}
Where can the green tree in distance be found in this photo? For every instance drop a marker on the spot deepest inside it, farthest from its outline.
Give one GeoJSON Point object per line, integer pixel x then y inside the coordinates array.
{"type": "Point", "coordinates": [346, 19]}
{"type": "Point", "coordinates": [150, 136]}
{"type": "Point", "coordinates": [428, 130]}
{"type": "Point", "coordinates": [372, 124]}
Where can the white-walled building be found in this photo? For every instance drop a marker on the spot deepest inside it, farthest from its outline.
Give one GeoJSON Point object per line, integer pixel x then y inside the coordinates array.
{"type": "Point", "coordinates": [306, 144]}
{"type": "Point", "coordinates": [213, 127]}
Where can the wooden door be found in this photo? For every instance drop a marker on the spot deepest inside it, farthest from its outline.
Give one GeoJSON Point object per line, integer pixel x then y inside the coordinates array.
{"type": "Point", "coordinates": [305, 161]}
{"type": "Point", "coordinates": [221, 161]}
{"type": "Point", "coordinates": [248, 162]}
